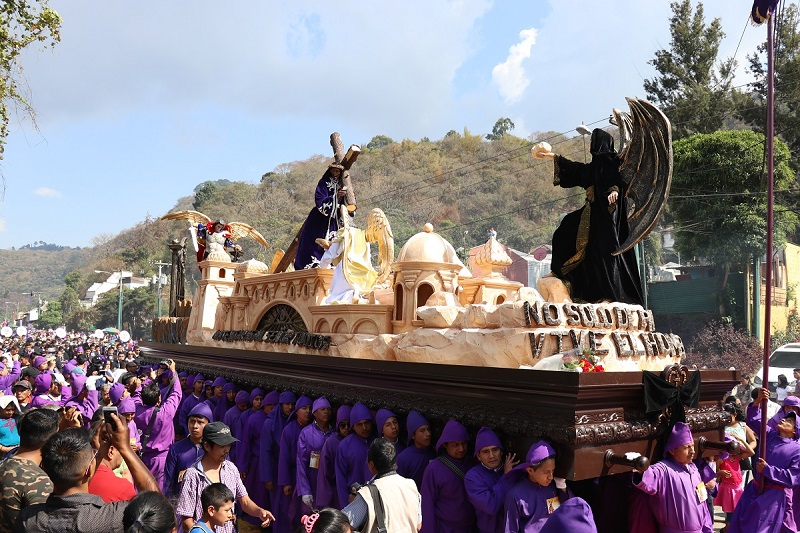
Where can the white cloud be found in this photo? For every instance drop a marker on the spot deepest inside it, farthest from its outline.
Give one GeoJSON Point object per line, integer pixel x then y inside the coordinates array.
{"type": "Point", "coordinates": [47, 192]}
{"type": "Point", "coordinates": [509, 76]}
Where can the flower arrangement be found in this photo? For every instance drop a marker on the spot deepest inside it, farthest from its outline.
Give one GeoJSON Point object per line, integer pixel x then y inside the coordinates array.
{"type": "Point", "coordinates": [582, 361]}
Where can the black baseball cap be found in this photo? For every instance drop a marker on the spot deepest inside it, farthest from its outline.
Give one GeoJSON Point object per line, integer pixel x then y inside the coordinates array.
{"type": "Point", "coordinates": [219, 434]}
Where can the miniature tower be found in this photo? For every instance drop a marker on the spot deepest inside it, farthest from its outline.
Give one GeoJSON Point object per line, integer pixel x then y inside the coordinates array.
{"type": "Point", "coordinates": [217, 280]}
{"type": "Point", "coordinates": [489, 286]}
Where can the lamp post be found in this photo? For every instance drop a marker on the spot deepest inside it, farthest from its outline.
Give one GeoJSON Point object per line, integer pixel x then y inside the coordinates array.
{"type": "Point", "coordinates": [119, 299]}
{"type": "Point", "coordinates": [584, 131]}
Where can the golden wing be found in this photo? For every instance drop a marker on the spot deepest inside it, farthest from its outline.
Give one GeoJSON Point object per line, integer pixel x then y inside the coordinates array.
{"type": "Point", "coordinates": [379, 230]}
{"type": "Point", "coordinates": [240, 229]}
{"type": "Point", "coordinates": [194, 217]}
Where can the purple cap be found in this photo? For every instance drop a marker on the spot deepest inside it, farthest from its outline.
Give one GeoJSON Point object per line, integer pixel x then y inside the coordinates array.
{"type": "Point", "coordinates": [381, 417]}
{"type": "Point", "coordinates": [287, 396]}
{"type": "Point", "coordinates": [201, 409]}
{"type": "Point", "coordinates": [680, 436]}
{"type": "Point", "coordinates": [271, 398]}
{"type": "Point", "coordinates": [319, 403]}
{"type": "Point", "coordinates": [199, 377]}
{"type": "Point", "coordinates": [115, 393]}
{"type": "Point", "coordinates": [229, 387]}
{"type": "Point", "coordinates": [242, 397]}
{"type": "Point", "coordinates": [183, 375]}
{"type": "Point", "coordinates": [452, 432]}
{"type": "Point", "coordinates": [537, 453]}
{"type": "Point", "coordinates": [414, 421]}
{"type": "Point", "coordinates": [485, 438]}
{"type": "Point", "coordinates": [78, 383]}
{"type": "Point", "coordinates": [256, 392]}
{"type": "Point", "coordinates": [38, 360]}
{"type": "Point", "coordinates": [791, 401]}
{"type": "Point", "coordinates": [42, 383]}
{"type": "Point", "coordinates": [126, 405]}
{"type": "Point", "coordinates": [190, 381]}
{"type": "Point", "coordinates": [219, 382]}
{"type": "Point", "coordinates": [302, 401]}
{"type": "Point", "coordinates": [79, 349]}
{"type": "Point", "coordinates": [574, 515]}
{"type": "Point", "coordinates": [208, 383]}
{"type": "Point", "coordinates": [358, 413]}
{"type": "Point", "coordinates": [343, 413]}
{"type": "Point", "coordinates": [166, 374]}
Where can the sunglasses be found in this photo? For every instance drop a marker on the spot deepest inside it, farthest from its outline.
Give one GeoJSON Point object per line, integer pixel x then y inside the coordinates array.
{"type": "Point", "coordinates": [343, 425]}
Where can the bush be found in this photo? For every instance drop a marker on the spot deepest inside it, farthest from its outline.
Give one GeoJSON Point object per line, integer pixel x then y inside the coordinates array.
{"type": "Point", "coordinates": [721, 345]}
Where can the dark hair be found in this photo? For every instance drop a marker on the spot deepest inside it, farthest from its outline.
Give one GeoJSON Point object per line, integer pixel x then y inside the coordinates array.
{"type": "Point", "coordinates": [65, 456]}
{"type": "Point", "coordinates": [755, 392]}
{"type": "Point", "coordinates": [735, 410]}
{"type": "Point", "coordinates": [126, 378]}
{"type": "Point", "coordinates": [782, 381]}
{"type": "Point", "coordinates": [796, 370]}
{"type": "Point", "coordinates": [730, 399]}
{"type": "Point", "coordinates": [149, 512]}
{"type": "Point", "coordinates": [746, 376]}
{"type": "Point", "coordinates": [180, 433]}
{"type": "Point", "coordinates": [150, 394]}
{"type": "Point", "coordinates": [215, 495]}
{"type": "Point", "coordinates": [331, 521]}
{"type": "Point", "coordinates": [81, 358]}
{"type": "Point", "coordinates": [383, 455]}
{"type": "Point", "coordinates": [35, 427]}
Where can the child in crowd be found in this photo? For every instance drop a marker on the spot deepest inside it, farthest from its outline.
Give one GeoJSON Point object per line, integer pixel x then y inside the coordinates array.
{"type": "Point", "coordinates": [9, 436]}
{"type": "Point", "coordinates": [326, 521]}
{"type": "Point", "coordinates": [217, 502]}
{"type": "Point", "coordinates": [729, 474]}
{"type": "Point", "coordinates": [533, 499]}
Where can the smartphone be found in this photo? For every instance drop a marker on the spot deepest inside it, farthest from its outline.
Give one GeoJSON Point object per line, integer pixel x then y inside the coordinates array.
{"type": "Point", "coordinates": [107, 413]}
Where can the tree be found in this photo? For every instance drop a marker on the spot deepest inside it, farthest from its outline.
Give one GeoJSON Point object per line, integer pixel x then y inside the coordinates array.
{"type": "Point", "coordinates": [501, 127]}
{"type": "Point", "coordinates": [719, 201]}
{"type": "Point", "coordinates": [691, 92]}
{"type": "Point", "coordinates": [51, 317]}
{"type": "Point", "coordinates": [21, 25]}
{"type": "Point", "coordinates": [379, 141]}
{"type": "Point", "coordinates": [202, 193]}
{"type": "Point", "coordinates": [721, 345]}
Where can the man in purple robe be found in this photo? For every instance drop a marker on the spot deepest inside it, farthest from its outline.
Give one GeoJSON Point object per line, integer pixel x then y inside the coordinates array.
{"type": "Point", "coordinates": [323, 219]}
{"type": "Point", "coordinates": [445, 504]}
{"type": "Point", "coordinates": [216, 392]}
{"type": "Point", "coordinates": [310, 442]}
{"type": "Point", "coordinates": [190, 401]}
{"type": "Point", "coordinates": [186, 452]}
{"type": "Point", "coordinates": [351, 457]}
{"type": "Point", "coordinates": [156, 418]}
{"type": "Point", "coordinates": [766, 504]}
{"type": "Point", "coordinates": [251, 446]}
{"type": "Point", "coordinates": [13, 374]}
{"type": "Point", "coordinates": [413, 461]}
{"type": "Point", "coordinates": [574, 516]}
{"type": "Point", "coordinates": [326, 477]}
{"type": "Point", "coordinates": [269, 448]}
{"type": "Point", "coordinates": [290, 501]}
{"type": "Point", "coordinates": [488, 482]}
{"type": "Point", "coordinates": [84, 399]}
{"type": "Point", "coordinates": [240, 425]}
{"type": "Point", "coordinates": [242, 404]}
{"type": "Point", "coordinates": [677, 492]}
{"type": "Point", "coordinates": [389, 428]}
{"type": "Point", "coordinates": [226, 402]}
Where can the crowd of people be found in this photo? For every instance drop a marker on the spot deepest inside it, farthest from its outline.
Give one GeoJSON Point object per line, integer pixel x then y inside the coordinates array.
{"type": "Point", "coordinates": [94, 440]}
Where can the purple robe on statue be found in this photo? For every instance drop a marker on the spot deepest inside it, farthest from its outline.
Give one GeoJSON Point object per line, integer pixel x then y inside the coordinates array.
{"type": "Point", "coordinates": [487, 491]}
{"type": "Point", "coordinates": [322, 223]}
{"type": "Point", "coordinates": [770, 511]}
{"type": "Point", "coordinates": [445, 504]}
{"type": "Point", "coordinates": [413, 461]}
{"type": "Point", "coordinates": [181, 456]}
{"type": "Point", "coordinates": [676, 506]}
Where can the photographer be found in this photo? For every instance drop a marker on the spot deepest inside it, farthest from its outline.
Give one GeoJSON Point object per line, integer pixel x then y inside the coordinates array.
{"type": "Point", "coordinates": [389, 501]}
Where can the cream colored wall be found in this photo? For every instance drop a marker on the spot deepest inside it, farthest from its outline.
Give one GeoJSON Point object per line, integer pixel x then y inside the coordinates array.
{"type": "Point", "coordinates": [780, 314]}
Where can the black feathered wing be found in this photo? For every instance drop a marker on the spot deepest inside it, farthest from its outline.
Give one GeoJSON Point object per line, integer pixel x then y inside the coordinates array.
{"type": "Point", "coordinates": [646, 169]}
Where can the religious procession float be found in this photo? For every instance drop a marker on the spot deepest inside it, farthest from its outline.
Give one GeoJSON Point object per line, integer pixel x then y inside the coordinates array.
{"type": "Point", "coordinates": [577, 361]}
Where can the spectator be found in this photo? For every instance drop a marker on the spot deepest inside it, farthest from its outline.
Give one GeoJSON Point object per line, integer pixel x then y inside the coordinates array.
{"type": "Point", "coordinates": [326, 521]}
{"type": "Point", "coordinates": [24, 482]}
{"type": "Point", "coordinates": [22, 391]}
{"type": "Point", "coordinates": [9, 412]}
{"type": "Point", "coordinates": [796, 376]}
{"type": "Point", "coordinates": [782, 389]}
{"type": "Point", "coordinates": [69, 461]}
{"type": "Point", "coordinates": [214, 467]}
{"type": "Point", "coordinates": [217, 502]}
{"type": "Point", "coordinates": [105, 483]}
{"type": "Point", "coordinates": [149, 512]}
{"type": "Point", "coordinates": [396, 496]}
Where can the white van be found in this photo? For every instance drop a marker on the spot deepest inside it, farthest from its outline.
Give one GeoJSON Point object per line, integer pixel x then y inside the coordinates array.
{"type": "Point", "coordinates": [782, 361]}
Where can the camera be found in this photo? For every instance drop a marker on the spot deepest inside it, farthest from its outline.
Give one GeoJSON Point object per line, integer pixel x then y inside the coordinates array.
{"type": "Point", "coordinates": [165, 362]}
{"type": "Point", "coordinates": [354, 488]}
{"type": "Point", "coordinates": [107, 413]}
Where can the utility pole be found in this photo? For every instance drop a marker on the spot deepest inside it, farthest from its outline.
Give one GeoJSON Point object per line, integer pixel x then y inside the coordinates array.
{"type": "Point", "coordinates": [161, 281]}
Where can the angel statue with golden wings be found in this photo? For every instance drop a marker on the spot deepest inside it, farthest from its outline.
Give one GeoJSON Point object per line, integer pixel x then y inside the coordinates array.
{"type": "Point", "coordinates": [625, 194]}
{"type": "Point", "coordinates": [216, 235]}
{"type": "Point", "coordinates": [349, 254]}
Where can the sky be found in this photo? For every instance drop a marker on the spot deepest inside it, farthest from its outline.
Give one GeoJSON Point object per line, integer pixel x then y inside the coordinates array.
{"type": "Point", "coordinates": [142, 101]}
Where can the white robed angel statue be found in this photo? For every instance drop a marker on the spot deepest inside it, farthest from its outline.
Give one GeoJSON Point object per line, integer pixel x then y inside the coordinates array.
{"type": "Point", "coordinates": [349, 254]}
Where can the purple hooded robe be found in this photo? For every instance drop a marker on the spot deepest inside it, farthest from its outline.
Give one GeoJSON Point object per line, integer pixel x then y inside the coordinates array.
{"type": "Point", "coordinates": [310, 442]}
{"type": "Point", "coordinates": [413, 461]}
{"type": "Point", "coordinates": [289, 506]}
{"type": "Point", "coordinates": [351, 457]}
{"type": "Point", "coordinates": [487, 488]}
{"type": "Point", "coordinates": [326, 477]}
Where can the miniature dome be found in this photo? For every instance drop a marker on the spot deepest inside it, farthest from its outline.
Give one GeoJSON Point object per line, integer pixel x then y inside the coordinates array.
{"type": "Point", "coordinates": [430, 247]}
{"type": "Point", "coordinates": [219, 255]}
{"type": "Point", "coordinates": [252, 266]}
{"type": "Point", "coordinates": [493, 255]}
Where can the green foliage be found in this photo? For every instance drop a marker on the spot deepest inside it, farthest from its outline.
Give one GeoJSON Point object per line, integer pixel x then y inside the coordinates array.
{"type": "Point", "coordinates": [138, 310]}
{"type": "Point", "coordinates": [22, 23]}
{"type": "Point", "coordinates": [51, 317]}
{"type": "Point", "coordinates": [203, 193]}
{"type": "Point", "coordinates": [379, 141]}
{"type": "Point", "coordinates": [690, 91]}
{"type": "Point", "coordinates": [720, 345]}
{"type": "Point", "coordinates": [501, 127]}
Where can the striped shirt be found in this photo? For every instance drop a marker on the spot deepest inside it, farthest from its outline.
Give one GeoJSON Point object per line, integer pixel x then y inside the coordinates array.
{"type": "Point", "coordinates": [195, 480]}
